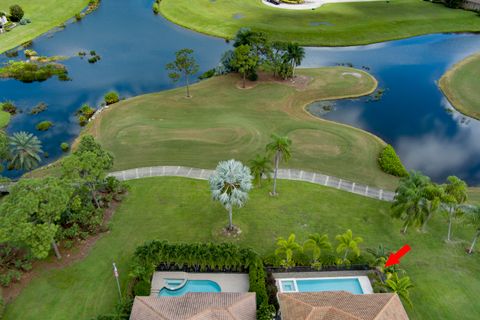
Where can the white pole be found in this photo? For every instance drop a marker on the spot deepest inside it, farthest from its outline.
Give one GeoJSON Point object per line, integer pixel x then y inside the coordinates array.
{"type": "Point", "coordinates": [115, 273]}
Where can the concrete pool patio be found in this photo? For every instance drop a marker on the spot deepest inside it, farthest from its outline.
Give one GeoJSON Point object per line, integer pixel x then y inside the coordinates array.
{"type": "Point", "coordinates": [309, 4]}
{"type": "Point", "coordinates": [228, 282]}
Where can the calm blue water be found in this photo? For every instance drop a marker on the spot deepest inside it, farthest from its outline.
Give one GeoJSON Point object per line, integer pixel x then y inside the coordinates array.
{"type": "Point", "coordinates": [192, 286]}
{"type": "Point", "coordinates": [317, 285]}
{"type": "Point", "coordinates": [135, 45]}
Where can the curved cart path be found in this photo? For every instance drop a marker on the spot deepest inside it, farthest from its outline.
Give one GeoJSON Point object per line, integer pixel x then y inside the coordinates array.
{"type": "Point", "coordinates": [287, 174]}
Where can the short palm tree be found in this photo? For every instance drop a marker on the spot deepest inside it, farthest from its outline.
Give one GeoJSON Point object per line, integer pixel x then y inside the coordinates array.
{"type": "Point", "coordinates": [286, 248]}
{"type": "Point", "coordinates": [455, 196]}
{"type": "Point", "coordinates": [400, 286]}
{"type": "Point", "coordinates": [260, 167]}
{"type": "Point", "coordinates": [280, 147]}
{"type": "Point", "coordinates": [316, 243]}
{"type": "Point", "coordinates": [408, 204]}
{"type": "Point", "coordinates": [347, 243]}
{"type": "Point", "coordinates": [230, 184]}
{"type": "Point", "coordinates": [25, 150]}
{"type": "Point", "coordinates": [295, 54]}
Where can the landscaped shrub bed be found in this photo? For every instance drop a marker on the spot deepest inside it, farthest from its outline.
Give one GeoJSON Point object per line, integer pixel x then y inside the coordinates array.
{"type": "Point", "coordinates": [201, 257]}
{"type": "Point", "coordinates": [390, 162]}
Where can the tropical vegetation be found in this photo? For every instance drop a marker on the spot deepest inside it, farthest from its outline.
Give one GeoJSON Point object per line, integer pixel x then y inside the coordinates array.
{"type": "Point", "coordinates": [390, 162]}
{"type": "Point", "coordinates": [280, 148]}
{"type": "Point", "coordinates": [183, 66]}
{"type": "Point", "coordinates": [25, 150]}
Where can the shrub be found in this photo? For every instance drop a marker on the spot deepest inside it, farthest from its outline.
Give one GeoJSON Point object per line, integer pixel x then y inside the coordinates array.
{"type": "Point", "coordinates": [266, 312]}
{"type": "Point", "coordinates": [207, 74]}
{"type": "Point", "coordinates": [111, 97]}
{"type": "Point", "coordinates": [78, 16]}
{"type": "Point", "coordinates": [44, 125]}
{"type": "Point", "coordinates": [65, 147]}
{"type": "Point", "coordinates": [9, 107]}
{"type": "Point", "coordinates": [390, 163]}
{"type": "Point", "coordinates": [253, 76]}
{"type": "Point", "coordinates": [454, 4]}
{"type": "Point", "coordinates": [42, 106]}
{"type": "Point", "coordinates": [16, 13]}
{"type": "Point", "coordinates": [2, 305]}
{"type": "Point", "coordinates": [156, 8]}
{"type": "Point", "coordinates": [142, 288]}
{"type": "Point", "coordinates": [84, 113]}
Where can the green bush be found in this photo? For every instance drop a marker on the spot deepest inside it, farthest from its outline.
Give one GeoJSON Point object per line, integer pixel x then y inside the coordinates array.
{"type": "Point", "coordinates": [111, 97]}
{"type": "Point", "coordinates": [142, 288]}
{"type": "Point", "coordinates": [9, 107]}
{"type": "Point", "coordinates": [65, 147]}
{"type": "Point", "coordinates": [208, 74]}
{"type": "Point", "coordinates": [16, 13]}
{"type": "Point", "coordinates": [390, 163]}
{"type": "Point", "coordinates": [156, 8]}
{"type": "Point", "coordinates": [2, 305]}
{"type": "Point", "coordinates": [44, 125]}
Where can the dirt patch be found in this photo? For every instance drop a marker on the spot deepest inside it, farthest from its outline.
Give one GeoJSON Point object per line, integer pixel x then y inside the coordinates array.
{"type": "Point", "coordinates": [299, 82]}
{"type": "Point", "coordinates": [69, 256]}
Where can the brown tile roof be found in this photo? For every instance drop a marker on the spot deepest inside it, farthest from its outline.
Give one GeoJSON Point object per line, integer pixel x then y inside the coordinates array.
{"type": "Point", "coordinates": [196, 306]}
{"type": "Point", "coordinates": [341, 305]}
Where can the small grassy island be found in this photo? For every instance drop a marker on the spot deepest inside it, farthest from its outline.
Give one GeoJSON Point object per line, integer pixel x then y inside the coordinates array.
{"type": "Point", "coordinates": [330, 25]}
{"type": "Point", "coordinates": [222, 121]}
{"type": "Point", "coordinates": [461, 86]}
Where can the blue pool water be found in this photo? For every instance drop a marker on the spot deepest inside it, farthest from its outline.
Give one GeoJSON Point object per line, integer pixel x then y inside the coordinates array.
{"type": "Point", "coordinates": [191, 286]}
{"type": "Point", "coordinates": [351, 285]}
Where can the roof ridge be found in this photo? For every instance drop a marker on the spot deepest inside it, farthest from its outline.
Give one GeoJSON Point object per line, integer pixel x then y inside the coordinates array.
{"type": "Point", "coordinates": [149, 307]}
{"type": "Point", "coordinates": [392, 296]}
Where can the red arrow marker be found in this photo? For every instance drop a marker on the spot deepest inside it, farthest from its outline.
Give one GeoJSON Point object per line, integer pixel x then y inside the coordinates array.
{"type": "Point", "coordinates": [394, 258]}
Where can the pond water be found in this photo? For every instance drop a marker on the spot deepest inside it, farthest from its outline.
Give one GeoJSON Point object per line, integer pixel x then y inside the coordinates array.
{"type": "Point", "coordinates": [135, 45]}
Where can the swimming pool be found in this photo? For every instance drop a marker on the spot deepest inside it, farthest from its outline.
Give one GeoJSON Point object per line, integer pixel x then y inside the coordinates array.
{"type": "Point", "coordinates": [191, 286]}
{"type": "Point", "coordinates": [355, 285]}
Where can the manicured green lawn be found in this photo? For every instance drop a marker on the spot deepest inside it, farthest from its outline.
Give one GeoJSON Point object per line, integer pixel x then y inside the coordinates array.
{"type": "Point", "coordinates": [4, 118]}
{"type": "Point", "coordinates": [461, 85]}
{"type": "Point", "coordinates": [446, 279]}
{"type": "Point", "coordinates": [223, 122]}
{"type": "Point", "coordinates": [330, 25]}
{"type": "Point", "coordinates": [45, 15]}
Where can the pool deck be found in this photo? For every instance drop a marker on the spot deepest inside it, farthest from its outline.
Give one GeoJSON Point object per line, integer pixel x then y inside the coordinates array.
{"type": "Point", "coordinates": [228, 282]}
{"type": "Point", "coordinates": [362, 277]}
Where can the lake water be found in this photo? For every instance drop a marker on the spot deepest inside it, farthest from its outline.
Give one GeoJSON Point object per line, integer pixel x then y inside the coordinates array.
{"type": "Point", "coordinates": [135, 45]}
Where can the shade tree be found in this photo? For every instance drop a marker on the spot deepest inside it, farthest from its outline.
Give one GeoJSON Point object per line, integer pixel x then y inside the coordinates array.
{"type": "Point", "coordinates": [245, 61]}
{"type": "Point", "coordinates": [184, 66]}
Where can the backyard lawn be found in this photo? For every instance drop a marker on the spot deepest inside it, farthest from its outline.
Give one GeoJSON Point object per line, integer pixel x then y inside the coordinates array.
{"type": "Point", "coordinates": [179, 209]}
{"type": "Point", "coordinates": [222, 122]}
{"type": "Point", "coordinates": [45, 15]}
{"type": "Point", "coordinates": [330, 25]}
{"type": "Point", "coordinates": [461, 85]}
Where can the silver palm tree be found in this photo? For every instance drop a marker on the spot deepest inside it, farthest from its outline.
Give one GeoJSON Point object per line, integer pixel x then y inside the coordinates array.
{"type": "Point", "coordinates": [25, 150]}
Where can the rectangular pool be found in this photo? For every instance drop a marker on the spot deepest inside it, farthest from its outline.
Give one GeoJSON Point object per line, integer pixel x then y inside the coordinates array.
{"type": "Point", "coordinates": [355, 285]}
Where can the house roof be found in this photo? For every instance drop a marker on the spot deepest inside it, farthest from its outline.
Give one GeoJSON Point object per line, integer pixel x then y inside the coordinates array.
{"type": "Point", "coordinates": [341, 305]}
{"type": "Point", "coordinates": [196, 306]}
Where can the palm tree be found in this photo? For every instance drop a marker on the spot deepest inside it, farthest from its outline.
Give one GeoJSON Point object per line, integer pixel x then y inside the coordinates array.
{"type": "Point", "coordinates": [316, 243]}
{"type": "Point", "coordinates": [433, 195]}
{"type": "Point", "coordinates": [400, 286]}
{"type": "Point", "coordinates": [347, 242]}
{"type": "Point", "coordinates": [280, 147]}
{"type": "Point", "coordinates": [260, 167]}
{"type": "Point", "coordinates": [408, 204]}
{"type": "Point", "coordinates": [295, 54]}
{"type": "Point", "coordinates": [472, 214]}
{"type": "Point", "coordinates": [286, 248]}
{"type": "Point", "coordinates": [25, 150]}
{"type": "Point", "coordinates": [230, 184]}
{"type": "Point", "coordinates": [455, 195]}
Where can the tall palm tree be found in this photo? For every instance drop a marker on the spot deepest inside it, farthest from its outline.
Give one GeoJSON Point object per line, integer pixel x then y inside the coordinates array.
{"type": "Point", "coordinates": [455, 196]}
{"type": "Point", "coordinates": [286, 248]}
{"type": "Point", "coordinates": [408, 204]}
{"type": "Point", "coordinates": [230, 184]}
{"type": "Point", "coordinates": [347, 243]}
{"type": "Point", "coordinates": [316, 243]}
{"type": "Point", "coordinates": [400, 286]}
{"type": "Point", "coordinates": [280, 146]}
{"type": "Point", "coordinates": [472, 214]}
{"type": "Point", "coordinates": [25, 150]}
{"type": "Point", "coordinates": [260, 167]}
{"type": "Point", "coordinates": [295, 54]}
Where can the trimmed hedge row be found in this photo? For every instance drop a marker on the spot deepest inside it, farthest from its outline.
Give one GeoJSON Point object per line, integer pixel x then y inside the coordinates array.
{"type": "Point", "coordinates": [390, 163]}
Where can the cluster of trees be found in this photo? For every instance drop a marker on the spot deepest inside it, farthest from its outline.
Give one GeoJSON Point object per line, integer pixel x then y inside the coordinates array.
{"type": "Point", "coordinates": [38, 213]}
{"type": "Point", "coordinates": [253, 51]}
{"type": "Point", "coordinates": [418, 199]}
{"type": "Point", "coordinates": [318, 250]}
{"type": "Point", "coordinates": [16, 13]}
{"type": "Point", "coordinates": [231, 181]}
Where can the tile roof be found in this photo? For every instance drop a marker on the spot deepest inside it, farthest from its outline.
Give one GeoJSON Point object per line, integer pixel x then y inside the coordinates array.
{"type": "Point", "coordinates": [341, 305]}
{"type": "Point", "coordinates": [196, 306]}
